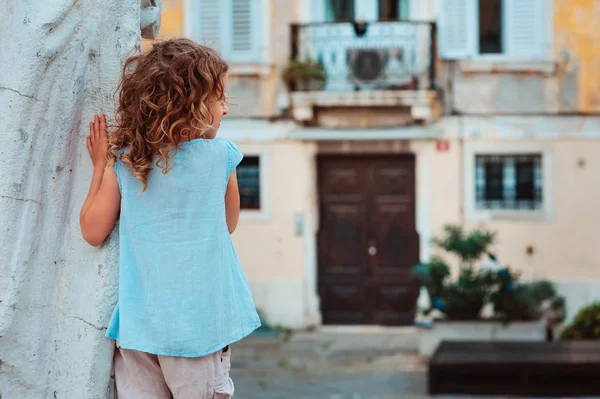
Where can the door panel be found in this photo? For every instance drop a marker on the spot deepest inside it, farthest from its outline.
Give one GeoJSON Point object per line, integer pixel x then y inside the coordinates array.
{"type": "Point", "coordinates": [344, 212]}
{"type": "Point", "coordinates": [367, 239]}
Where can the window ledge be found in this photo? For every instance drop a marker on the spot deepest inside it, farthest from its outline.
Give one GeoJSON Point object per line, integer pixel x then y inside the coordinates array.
{"type": "Point", "coordinates": [508, 66]}
{"type": "Point", "coordinates": [250, 69]}
{"type": "Point", "coordinates": [424, 104]}
{"type": "Point", "coordinates": [509, 215]}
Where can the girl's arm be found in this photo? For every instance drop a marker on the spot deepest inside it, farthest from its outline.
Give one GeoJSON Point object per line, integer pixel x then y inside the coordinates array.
{"type": "Point", "coordinates": [232, 203]}
{"type": "Point", "coordinates": [101, 208]}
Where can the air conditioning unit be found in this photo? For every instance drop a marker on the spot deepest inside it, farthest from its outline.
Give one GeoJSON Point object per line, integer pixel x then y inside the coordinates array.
{"type": "Point", "coordinates": [378, 68]}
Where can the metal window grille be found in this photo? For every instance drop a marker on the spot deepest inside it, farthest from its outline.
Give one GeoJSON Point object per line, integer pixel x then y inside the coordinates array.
{"type": "Point", "coordinates": [508, 182]}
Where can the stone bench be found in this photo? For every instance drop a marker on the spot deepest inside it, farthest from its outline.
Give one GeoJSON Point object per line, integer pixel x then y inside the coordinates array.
{"type": "Point", "coordinates": [516, 368]}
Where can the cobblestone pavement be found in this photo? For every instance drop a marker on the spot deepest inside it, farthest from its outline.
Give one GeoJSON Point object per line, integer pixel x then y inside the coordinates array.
{"type": "Point", "coordinates": [331, 365]}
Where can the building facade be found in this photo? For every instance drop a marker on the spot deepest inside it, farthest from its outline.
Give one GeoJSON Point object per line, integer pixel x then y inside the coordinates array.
{"type": "Point", "coordinates": [468, 112]}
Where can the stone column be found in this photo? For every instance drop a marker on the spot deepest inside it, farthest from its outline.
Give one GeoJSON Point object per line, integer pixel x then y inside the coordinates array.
{"type": "Point", "coordinates": [60, 63]}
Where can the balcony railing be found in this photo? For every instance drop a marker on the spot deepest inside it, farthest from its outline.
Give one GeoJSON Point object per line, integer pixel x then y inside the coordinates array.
{"type": "Point", "coordinates": [369, 56]}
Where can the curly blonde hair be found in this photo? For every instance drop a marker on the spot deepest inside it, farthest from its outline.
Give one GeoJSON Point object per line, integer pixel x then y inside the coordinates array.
{"type": "Point", "coordinates": [164, 100]}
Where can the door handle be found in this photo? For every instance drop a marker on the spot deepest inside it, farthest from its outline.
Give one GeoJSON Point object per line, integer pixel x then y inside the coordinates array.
{"type": "Point", "coordinates": [372, 250]}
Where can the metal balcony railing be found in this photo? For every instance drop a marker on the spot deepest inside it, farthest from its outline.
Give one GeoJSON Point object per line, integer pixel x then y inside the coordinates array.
{"type": "Point", "coordinates": [356, 56]}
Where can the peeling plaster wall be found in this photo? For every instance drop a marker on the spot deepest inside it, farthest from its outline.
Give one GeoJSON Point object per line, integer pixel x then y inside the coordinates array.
{"type": "Point", "coordinates": [567, 83]}
{"type": "Point", "coordinates": [61, 61]}
{"type": "Point", "coordinates": [576, 44]}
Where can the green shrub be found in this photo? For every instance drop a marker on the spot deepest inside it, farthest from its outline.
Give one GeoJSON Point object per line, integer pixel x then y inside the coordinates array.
{"type": "Point", "coordinates": [468, 247]}
{"type": "Point", "coordinates": [464, 298]}
{"type": "Point", "coordinates": [542, 291]}
{"type": "Point", "coordinates": [433, 276]}
{"type": "Point", "coordinates": [586, 325]}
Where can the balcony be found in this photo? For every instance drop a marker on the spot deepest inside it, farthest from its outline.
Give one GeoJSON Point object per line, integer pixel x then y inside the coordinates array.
{"type": "Point", "coordinates": [376, 74]}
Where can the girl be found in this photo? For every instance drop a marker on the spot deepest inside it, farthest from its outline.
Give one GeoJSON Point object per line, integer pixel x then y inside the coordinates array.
{"type": "Point", "coordinates": [183, 296]}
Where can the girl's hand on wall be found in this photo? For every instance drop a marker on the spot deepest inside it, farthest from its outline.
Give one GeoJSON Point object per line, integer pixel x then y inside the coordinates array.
{"type": "Point", "coordinates": [97, 142]}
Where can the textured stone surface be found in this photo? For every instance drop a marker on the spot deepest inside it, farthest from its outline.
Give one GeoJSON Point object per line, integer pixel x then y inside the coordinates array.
{"type": "Point", "coordinates": [61, 62]}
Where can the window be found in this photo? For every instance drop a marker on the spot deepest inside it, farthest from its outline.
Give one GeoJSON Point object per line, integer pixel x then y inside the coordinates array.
{"type": "Point", "coordinates": [508, 182]}
{"type": "Point", "coordinates": [490, 26]}
{"type": "Point", "coordinates": [339, 10]}
{"type": "Point", "coordinates": [505, 180]}
{"type": "Point", "coordinates": [366, 10]}
{"type": "Point", "coordinates": [231, 26]}
{"type": "Point", "coordinates": [511, 29]}
{"type": "Point", "coordinates": [248, 175]}
{"type": "Point", "coordinates": [393, 10]}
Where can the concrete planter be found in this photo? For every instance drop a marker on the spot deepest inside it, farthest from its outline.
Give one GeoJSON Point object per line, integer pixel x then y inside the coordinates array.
{"type": "Point", "coordinates": [430, 338]}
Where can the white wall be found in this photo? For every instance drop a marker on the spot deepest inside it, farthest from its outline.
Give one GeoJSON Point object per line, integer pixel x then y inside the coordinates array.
{"type": "Point", "coordinates": [61, 62]}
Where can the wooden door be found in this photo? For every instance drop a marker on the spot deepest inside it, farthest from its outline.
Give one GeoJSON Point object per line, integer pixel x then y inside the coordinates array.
{"type": "Point", "coordinates": [367, 239]}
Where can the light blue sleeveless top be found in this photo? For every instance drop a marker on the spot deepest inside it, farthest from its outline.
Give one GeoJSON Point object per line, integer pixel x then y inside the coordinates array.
{"type": "Point", "coordinates": [182, 289]}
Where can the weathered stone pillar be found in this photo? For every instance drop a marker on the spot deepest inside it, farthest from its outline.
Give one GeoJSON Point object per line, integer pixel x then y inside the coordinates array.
{"type": "Point", "coordinates": [60, 62]}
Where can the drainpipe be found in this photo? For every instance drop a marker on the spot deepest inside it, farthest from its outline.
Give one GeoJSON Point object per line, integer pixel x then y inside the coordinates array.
{"type": "Point", "coordinates": [461, 139]}
{"type": "Point", "coordinates": [461, 167]}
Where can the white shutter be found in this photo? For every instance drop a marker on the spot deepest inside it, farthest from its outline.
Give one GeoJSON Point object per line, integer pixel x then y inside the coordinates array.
{"type": "Point", "coordinates": [456, 28]}
{"type": "Point", "coordinates": [525, 28]}
{"type": "Point", "coordinates": [241, 38]}
{"type": "Point", "coordinates": [318, 8]}
{"type": "Point", "coordinates": [209, 26]}
{"type": "Point", "coordinates": [242, 30]}
{"type": "Point", "coordinates": [366, 10]}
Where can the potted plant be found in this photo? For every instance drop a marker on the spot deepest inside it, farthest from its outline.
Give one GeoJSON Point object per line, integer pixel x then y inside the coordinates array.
{"type": "Point", "coordinates": [483, 303]}
{"type": "Point", "coordinates": [301, 75]}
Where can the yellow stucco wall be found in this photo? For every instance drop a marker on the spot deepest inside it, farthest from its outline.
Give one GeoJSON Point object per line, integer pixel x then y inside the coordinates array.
{"type": "Point", "coordinates": [171, 24]}
{"type": "Point", "coordinates": [576, 38]}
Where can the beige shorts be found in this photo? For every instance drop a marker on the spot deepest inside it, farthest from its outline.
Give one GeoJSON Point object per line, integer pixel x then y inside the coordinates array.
{"type": "Point", "coordinates": [140, 375]}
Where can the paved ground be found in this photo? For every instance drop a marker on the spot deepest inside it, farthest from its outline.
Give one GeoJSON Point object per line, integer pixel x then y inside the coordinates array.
{"type": "Point", "coordinates": [331, 364]}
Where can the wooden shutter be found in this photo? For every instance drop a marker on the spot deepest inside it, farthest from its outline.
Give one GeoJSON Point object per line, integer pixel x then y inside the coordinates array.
{"type": "Point", "coordinates": [525, 28]}
{"type": "Point", "coordinates": [456, 33]}
{"type": "Point", "coordinates": [242, 35]}
{"type": "Point", "coordinates": [230, 26]}
{"type": "Point", "coordinates": [243, 31]}
{"type": "Point", "coordinates": [210, 22]}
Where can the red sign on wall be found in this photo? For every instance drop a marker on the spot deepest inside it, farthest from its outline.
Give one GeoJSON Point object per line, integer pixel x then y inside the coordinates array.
{"type": "Point", "coordinates": [442, 145]}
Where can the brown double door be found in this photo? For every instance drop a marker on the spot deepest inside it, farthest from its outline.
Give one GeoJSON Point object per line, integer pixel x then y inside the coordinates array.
{"type": "Point", "coordinates": [367, 240]}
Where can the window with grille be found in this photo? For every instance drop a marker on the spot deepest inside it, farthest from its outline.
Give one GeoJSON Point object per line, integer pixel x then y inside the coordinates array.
{"type": "Point", "coordinates": [508, 182]}
{"type": "Point", "coordinates": [248, 175]}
